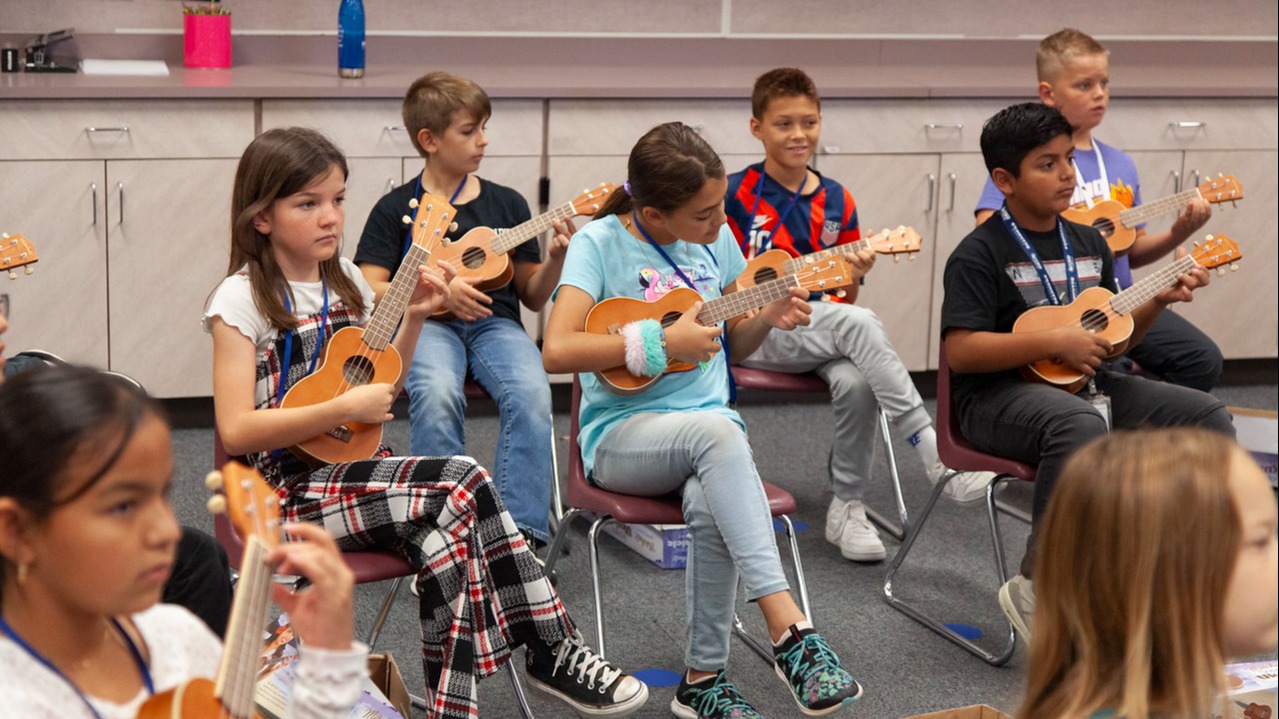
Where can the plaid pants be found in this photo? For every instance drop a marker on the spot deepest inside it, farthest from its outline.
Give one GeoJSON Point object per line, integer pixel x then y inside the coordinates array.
{"type": "Point", "coordinates": [481, 591]}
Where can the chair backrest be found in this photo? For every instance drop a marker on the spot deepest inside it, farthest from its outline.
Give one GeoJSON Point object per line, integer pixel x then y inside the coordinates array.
{"type": "Point", "coordinates": [954, 450]}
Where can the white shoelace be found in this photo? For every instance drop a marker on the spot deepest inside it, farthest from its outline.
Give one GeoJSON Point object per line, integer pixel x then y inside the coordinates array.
{"type": "Point", "coordinates": [577, 657]}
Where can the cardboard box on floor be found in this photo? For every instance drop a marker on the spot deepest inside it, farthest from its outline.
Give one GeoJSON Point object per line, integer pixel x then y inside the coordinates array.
{"type": "Point", "coordinates": [386, 677]}
{"type": "Point", "coordinates": [1258, 431]}
{"type": "Point", "coordinates": [1252, 692]}
{"type": "Point", "coordinates": [976, 711]}
{"type": "Point", "coordinates": [665, 545]}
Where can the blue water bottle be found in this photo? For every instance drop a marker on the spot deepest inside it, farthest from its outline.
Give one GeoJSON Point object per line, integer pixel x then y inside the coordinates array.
{"type": "Point", "coordinates": [351, 39]}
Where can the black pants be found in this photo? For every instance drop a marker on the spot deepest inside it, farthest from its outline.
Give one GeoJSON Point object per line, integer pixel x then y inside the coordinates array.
{"type": "Point", "coordinates": [1178, 352]}
{"type": "Point", "coordinates": [1043, 425]}
{"type": "Point", "coordinates": [201, 579]}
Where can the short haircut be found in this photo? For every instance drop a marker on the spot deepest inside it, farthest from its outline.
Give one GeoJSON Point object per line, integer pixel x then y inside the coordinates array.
{"type": "Point", "coordinates": [782, 82]}
{"type": "Point", "coordinates": [1060, 48]}
{"type": "Point", "coordinates": [435, 98]}
{"type": "Point", "coordinates": [1011, 134]}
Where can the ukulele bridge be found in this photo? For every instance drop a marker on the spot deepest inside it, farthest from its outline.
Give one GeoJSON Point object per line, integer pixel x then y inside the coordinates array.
{"type": "Point", "coordinates": [342, 433]}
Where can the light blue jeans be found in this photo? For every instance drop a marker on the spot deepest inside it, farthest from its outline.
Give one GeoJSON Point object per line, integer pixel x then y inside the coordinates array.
{"type": "Point", "coordinates": [507, 364]}
{"type": "Point", "coordinates": [707, 457]}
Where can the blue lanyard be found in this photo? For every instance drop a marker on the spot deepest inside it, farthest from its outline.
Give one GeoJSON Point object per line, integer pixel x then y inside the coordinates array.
{"type": "Point", "coordinates": [288, 343]}
{"type": "Point", "coordinates": [759, 187]}
{"type": "Point", "coordinates": [417, 195]}
{"type": "Point", "coordinates": [1067, 256]}
{"type": "Point", "coordinates": [732, 385]}
{"type": "Point", "coordinates": [133, 649]}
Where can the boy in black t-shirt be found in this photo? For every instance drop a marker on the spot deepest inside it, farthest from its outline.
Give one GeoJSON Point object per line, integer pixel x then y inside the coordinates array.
{"type": "Point", "coordinates": [483, 337]}
{"type": "Point", "coordinates": [1026, 256]}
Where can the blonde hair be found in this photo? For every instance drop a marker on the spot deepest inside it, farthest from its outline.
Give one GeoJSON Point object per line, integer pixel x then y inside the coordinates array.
{"type": "Point", "coordinates": [1060, 48]}
{"type": "Point", "coordinates": [1137, 549]}
{"type": "Point", "coordinates": [433, 99]}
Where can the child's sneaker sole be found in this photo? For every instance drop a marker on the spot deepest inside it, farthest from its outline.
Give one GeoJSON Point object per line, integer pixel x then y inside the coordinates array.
{"type": "Point", "coordinates": [620, 709]}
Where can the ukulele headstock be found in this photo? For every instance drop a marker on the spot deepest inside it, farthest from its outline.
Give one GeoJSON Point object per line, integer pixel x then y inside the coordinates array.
{"type": "Point", "coordinates": [1215, 252]}
{"type": "Point", "coordinates": [896, 242]}
{"type": "Point", "coordinates": [251, 504]}
{"type": "Point", "coordinates": [590, 201]}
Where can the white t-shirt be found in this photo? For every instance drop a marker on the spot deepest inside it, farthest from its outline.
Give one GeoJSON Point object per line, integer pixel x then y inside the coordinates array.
{"type": "Point", "coordinates": [180, 647]}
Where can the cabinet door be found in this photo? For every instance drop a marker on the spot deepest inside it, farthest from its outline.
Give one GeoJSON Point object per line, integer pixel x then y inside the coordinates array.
{"type": "Point", "coordinates": [62, 306]}
{"type": "Point", "coordinates": [370, 179]}
{"type": "Point", "coordinates": [1238, 310]}
{"type": "Point", "coordinates": [1160, 174]}
{"type": "Point", "coordinates": [959, 186]}
{"type": "Point", "coordinates": [168, 244]}
{"type": "Point", "coordinates": [892, 190]}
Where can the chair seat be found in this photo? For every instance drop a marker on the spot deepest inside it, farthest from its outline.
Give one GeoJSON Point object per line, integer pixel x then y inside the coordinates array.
{"type": "Point", "coordinates": [630, 509]}
{"type": "Point", "coordinates": [376, 566]}
{"type": "Point", "coordinates": [957, 454]}
{"type": "Point", "coordinates": [755, 379]}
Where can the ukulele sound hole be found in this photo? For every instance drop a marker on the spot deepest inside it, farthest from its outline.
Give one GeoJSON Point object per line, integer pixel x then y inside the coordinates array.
{"type": "Point", "coordinates": [768, 274]}
{"type": "Point", "coordinates": [1094, 321]}
{"type": "Point", "coordinates": [473, 257]}
{"type": "Point", "coordinates": [357, 371]}
{"type": "Point", "coordinates": [1104, 226]}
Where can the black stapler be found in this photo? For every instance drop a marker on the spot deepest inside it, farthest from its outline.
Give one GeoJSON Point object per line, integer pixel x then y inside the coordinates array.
{"type": "Point", "coordinates": [38, 57]}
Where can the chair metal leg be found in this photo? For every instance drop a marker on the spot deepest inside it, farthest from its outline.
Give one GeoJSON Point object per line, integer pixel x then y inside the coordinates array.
{"type": "Point", "coordinates": [993, 658]}
{"type": "Point", "coordinates": [1014, 512]}
{"type": "Point", "coordinates": [592, 540]}
{"type": "Point", "coordinates": [560, 539]}
{"type": "Point", "coordinates": [765, 651]}
{"type": "Point", "coordinates": [518, 689]}
{"type": "Point", "coordinates": [896, 530]}
{"type": "Point", "coordinates": [557, 501]}
{"type": "Point", "coordinates": [387, 603]}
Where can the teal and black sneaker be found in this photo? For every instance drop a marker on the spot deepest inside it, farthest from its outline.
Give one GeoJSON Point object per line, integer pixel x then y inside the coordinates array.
{"type": "Point", "coordinates": [711, 698]}
{"type": "Point", "coordinates": [810, 668]}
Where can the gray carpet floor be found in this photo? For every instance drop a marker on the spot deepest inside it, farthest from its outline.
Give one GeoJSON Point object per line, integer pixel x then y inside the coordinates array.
{"type": "Point", "coordinates": [905, 668]}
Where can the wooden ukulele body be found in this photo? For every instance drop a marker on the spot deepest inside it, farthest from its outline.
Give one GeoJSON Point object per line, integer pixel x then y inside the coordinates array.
{"type": "Point", "coordinates": [473, 256]}
{"type": "Point", "coordinates": [1104, 217]}
{"type": "Point", "coordinates": [348, 362]}
{"type": "Point", "coordinates": [191, 700]}
{"type": "Point", "coordinates": [1091, 309]}
{"type": "Point", "coordinates": [764, 267]}
{"type": "Point", "coordinates": [608, 317]}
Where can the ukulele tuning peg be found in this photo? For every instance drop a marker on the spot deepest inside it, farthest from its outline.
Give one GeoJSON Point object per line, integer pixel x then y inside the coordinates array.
{"type": "Point", "coordinates": [406, 220]}
{"type": "Point", "coordinates": [841, 293]}
{"type": "Point", "coordinates": [897, 259]}
{"type": "Point", "coordinates": [13, 275]}
{"type": "Point", "coordinates": [413, 203]}
{"type": "Point", "coordinates": [1234, 266]}
{"type": "Point", "coordinates": [216, 504]}
{"type": "Point", "coordinates": [213, 480]}
{"type": "Point", "coordinates": [1221, 271]}
{"type": "Point", "coordinates": [5, 235]}
{"type": "Point", "coordinates": [452, 227]}
{"type": "Point", "coordinates": [28, 270]}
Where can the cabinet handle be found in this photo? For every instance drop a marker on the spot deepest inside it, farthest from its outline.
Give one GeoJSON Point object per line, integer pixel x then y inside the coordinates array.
{"type": "Point", "coordinates": [395, 128]}
{"type": "Point", "coordinates": [699, 129]}
{"type": "Point", "coordinates": [944, 126]}
{"type": "Point", "coordinates": [1187, 125]}
{"type": "Point", "coordinates": [390, 184]}
{"type": "Point", "coordinates": [93, 192]}
{"type": "Point", "coordinates": [932, 188]}
{"type": "Point", "coordinates": [123, 128]}
{"type": "Point", "coordinates": [1194, 174]}
{"type": "Point", "coordinates": [119, 187]}
{"type": "Point", "coordinates": [1176, 181]}
{"type": "Point", "coordinates": [951, 176]}
{"type": "Point", "coordinates": [830, 149]}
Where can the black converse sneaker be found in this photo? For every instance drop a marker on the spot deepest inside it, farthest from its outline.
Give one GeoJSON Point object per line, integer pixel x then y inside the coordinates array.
{"type": "Point", "coordinates": [573, 673]}
{"type": "Point", "coordinates": [711, 698]}
{"type": "Point", "coordinates": [810, 668]}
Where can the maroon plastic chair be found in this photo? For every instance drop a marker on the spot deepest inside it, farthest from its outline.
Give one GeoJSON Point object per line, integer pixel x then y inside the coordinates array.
{"type": "Point", "coordinates": [608, 507]}
{"type": "Point", "coordinates": [960, 456]}
{"type": "Point", "coordinates": [749, 378]}
{"type": "Point", "coordinates": [368, 566]}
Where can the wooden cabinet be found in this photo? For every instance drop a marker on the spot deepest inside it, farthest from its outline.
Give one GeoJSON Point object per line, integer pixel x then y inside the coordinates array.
{"type": "Point", "coordinates": [129, 205]}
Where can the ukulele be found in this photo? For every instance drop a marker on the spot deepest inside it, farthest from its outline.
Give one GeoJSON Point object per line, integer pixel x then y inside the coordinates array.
{"type": "Point", "coordinates": [775, 263]}
{"type": "Point", "coordinates": [17, 251]}
{"type": "Point", "coordinates": [1116, 223]}
{"type": "Point", "coordinates": [609, 316]}
{"type": "Point", "coordinates": [357, 356]}
{"type": "Point", "coordinates": [483, 252]}
{"type": "Point", "coordinates": [253, 508]}
{"type": "Point", "coordinates": [1098, 310]}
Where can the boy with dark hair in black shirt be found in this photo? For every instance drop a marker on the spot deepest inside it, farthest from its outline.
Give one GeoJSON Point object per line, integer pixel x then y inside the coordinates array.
{"type": "Point", "coordinates": [1025, 256]}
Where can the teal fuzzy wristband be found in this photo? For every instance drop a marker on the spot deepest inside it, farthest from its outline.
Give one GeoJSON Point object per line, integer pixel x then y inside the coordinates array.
{"type": "Point", "coordinates": [654, 347]}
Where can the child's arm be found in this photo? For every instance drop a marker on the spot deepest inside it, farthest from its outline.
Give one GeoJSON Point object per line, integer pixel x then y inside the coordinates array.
{"type": "Point", "coordinates": [378, 277]}
{"type": "Point", "coordinates": [1148, 248]}
{"type": "Point", "coordinates": [535, 281]}
{"type": "Point", "coordinates": [568, 347]}
{"type": "Point", "coordinates": [974, 351]}
{"type": "Point", "coordinates": [244, 429]}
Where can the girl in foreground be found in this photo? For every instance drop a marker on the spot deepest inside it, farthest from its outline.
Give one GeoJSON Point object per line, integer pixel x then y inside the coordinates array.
{"type": "Point", "coordinates": [288, 290]}
{"type": "Point", "coordinates": [680, 435]}
{"type": "Point", "coordinates": [88, 538]}
{"type": "Point", "coordinates": [1159, 562]}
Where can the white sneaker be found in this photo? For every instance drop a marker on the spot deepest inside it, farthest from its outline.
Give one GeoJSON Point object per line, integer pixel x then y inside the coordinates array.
{"type": "Point", "coordinates": [965, 488]}
{"type": "Point", "coordinates": [848, 528]}
{"type": "Point", "coordinates": [1017, 599]}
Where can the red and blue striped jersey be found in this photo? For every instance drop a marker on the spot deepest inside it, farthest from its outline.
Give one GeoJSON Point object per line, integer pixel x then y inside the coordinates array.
{"type": "Point", "coordinates": [820, 219]}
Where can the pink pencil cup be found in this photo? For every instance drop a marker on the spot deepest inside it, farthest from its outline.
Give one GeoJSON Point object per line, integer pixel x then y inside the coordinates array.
{"type": "Point", "coordinates": [206, 41]}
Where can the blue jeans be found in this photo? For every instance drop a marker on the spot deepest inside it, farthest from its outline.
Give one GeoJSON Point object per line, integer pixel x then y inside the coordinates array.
{"type": "Point", "coordinates": [705, 456]}
{"type": "Point", "coordinates": [504, 360]}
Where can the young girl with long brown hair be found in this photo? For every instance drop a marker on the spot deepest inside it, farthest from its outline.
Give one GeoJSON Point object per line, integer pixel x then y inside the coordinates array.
{"type": "Point", "coordinates": [1159, 561]}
